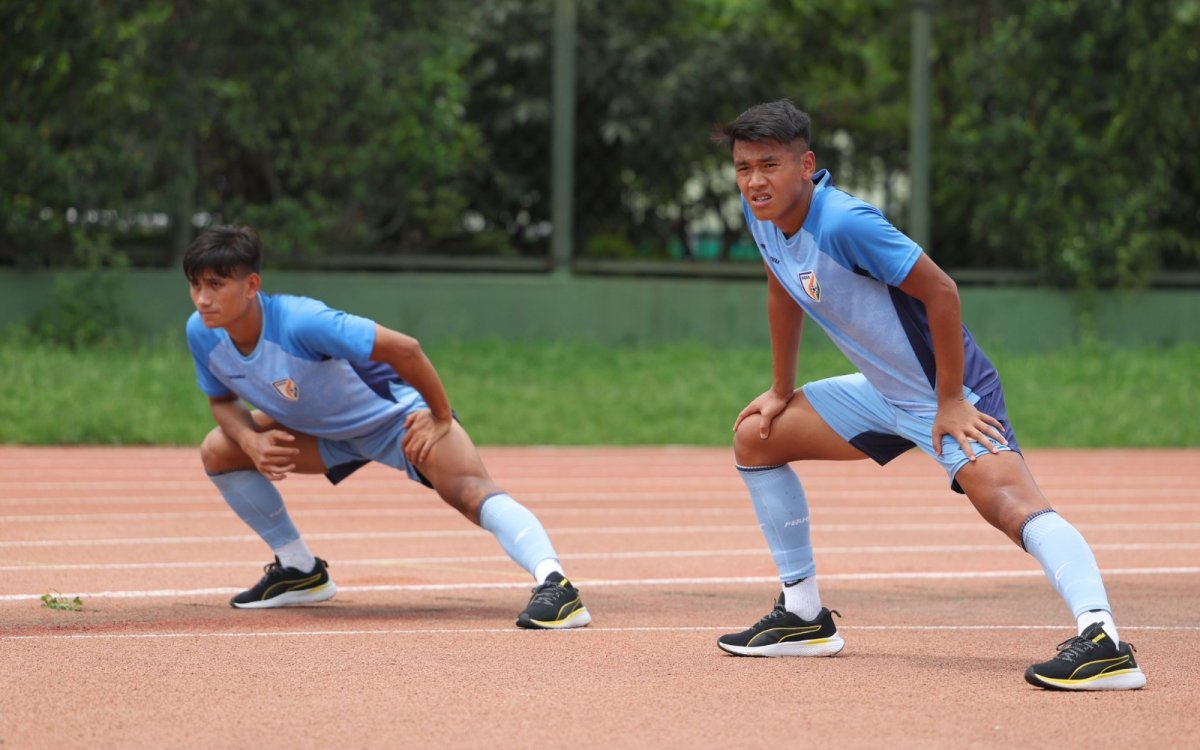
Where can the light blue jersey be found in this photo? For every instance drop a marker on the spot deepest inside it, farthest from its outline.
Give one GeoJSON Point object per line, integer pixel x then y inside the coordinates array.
{"type": "Point", "coordinates": [844, 268]}
{"type": "Point", "coordinates": [311, 370]}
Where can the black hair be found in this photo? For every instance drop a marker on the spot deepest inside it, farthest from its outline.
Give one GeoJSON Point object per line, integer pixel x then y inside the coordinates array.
{"type": "Point", "coordinates": [226, 250]}
{"type": "Point", "coordinates": [770, 121]}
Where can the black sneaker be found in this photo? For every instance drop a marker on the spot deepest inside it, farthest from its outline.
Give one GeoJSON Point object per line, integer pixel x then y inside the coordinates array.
{"type": "Point", "coordinates": [555, 605]}
{"type": "Point", "coordinates": [783, 633]}
{"type": "Point", "coordinates": [1089, 661]}
{"type": "Point", "coordinates": [283, 587]}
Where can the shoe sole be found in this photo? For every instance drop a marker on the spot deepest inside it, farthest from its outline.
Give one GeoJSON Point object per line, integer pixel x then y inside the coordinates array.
{"type": "Point", "coordinates": [1129, 680]}
{"type": "Point", "coordinates": [822, 647]}
{"type": "Point", "coordinates": [577, 619]}
{"type": "Point", "coordinates": [321, 593]}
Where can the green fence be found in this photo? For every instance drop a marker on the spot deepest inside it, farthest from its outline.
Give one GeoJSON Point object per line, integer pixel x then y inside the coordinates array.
{"type": "Point", "coordinates": [624, 311]}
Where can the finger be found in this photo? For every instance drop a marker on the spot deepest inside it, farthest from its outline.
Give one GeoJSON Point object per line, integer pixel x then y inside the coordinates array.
{"type": "Point", "coordinates": [741, 417]}
{"type": "Point", "coordinates": [419, 453]}
{"type": "Point", "coordinates": [966, 447]}
{"type": "Point", "coordinates": [277, 468]}
{"type": "Point", "coordinates": [987, 441]}
{"type": "Point", "coordinates": [997, 433]}
{"type": "Point", "coordinates": [764, 426]}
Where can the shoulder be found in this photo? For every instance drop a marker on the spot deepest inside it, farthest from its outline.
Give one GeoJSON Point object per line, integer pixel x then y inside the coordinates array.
{"type": "Point", "coordinates": [313, 328]}
{"type": "Point", "coordinates": [298, 315]}
{"type": "Point", "coordinates": [844, 214]}
{"type": "Point", "coordinates": [199, 336]}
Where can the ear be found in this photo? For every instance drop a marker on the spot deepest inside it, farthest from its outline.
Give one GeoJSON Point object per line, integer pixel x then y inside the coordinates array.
{"type": "Point", "coordinates": [253, 284]}
{"type": "Point", "coordinates": [808, 164]}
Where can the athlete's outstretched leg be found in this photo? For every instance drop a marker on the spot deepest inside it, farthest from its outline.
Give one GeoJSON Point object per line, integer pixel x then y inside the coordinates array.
{"type": "Point", "coordinates": [1004, 492]}
{"type": "Point", "coordinates": [457, 473]}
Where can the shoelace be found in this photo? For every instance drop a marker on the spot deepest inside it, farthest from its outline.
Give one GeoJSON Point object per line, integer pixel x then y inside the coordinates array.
{"type": "Point", "coordinates": [270, 568]}
{"type": "Point", "coordinates": [544, 593]}
{"type": "Point", "coordinates": [1073, 648]}
{"type": "Point", "coordinates": [776, 613]}
{"type": "Point", "coordinates": [779, 611]}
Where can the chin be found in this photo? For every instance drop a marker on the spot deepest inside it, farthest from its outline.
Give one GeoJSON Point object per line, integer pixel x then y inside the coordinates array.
{"type": "Point", "coordinates": [762, 214]}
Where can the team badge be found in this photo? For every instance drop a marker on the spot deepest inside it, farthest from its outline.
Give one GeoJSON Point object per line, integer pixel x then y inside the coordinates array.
{"type": "Point", "coordinates": [288, 389]}
{"type": "Point", "coordinates": [808, 280]}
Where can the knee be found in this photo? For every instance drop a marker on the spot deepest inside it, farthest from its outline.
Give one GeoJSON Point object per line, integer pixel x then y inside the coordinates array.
{"type": "Point", "coordinates": [219, 454]}
{"type": "Point", "coordinates": [1007, 509]}
{"type": "Point", "coordinates": [467, 493]}
{"type": "Point", "coordinates": [749, 447]}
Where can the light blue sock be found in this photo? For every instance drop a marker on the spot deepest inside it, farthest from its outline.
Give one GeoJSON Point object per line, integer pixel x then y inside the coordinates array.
{"type": "Point", "coordinates": [1067, 561]}
{"type": "Point", "coordinates": [782, 509]}
{"type": "Point", "coordinates": [518, 531]}
{"type": "Point", "coordinates": [256, 501]}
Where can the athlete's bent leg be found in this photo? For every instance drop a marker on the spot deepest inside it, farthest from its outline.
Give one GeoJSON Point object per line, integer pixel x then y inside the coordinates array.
{"type": "Point", "coordinates": [798, 625]}
{"type": "Point", "coordinates": [254, 498]}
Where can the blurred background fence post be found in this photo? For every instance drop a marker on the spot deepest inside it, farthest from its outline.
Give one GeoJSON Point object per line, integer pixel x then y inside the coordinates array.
{"type": "Point", "coordinates": [562, 192]}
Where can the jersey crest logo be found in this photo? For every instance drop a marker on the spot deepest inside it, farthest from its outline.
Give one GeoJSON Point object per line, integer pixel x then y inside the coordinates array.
{"type": "Point", "coordinates": [288, 389]}
{"type": "Point", "coordinates": [808, 280]}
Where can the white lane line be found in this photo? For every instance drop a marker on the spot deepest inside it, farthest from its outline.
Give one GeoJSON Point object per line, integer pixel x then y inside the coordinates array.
{"type": "Point", "coordinates": [352, 512]}
{"type": "Point", "coordinates": [605, 583]}
{"type": "Point", "coordinates": [641, 555]}
{"type": "Point", "coordinates": [514, 630]}
{"type": "Point", "coordinates": [572, 531]}
{"type": "Point", "coordinates": [826, 497]}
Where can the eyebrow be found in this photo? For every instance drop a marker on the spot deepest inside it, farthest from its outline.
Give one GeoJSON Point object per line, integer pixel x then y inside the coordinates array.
{"type": "Point", "coordinates": [768, 157]}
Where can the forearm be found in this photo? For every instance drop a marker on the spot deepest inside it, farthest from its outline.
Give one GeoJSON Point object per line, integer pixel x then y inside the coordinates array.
{"type": "Point", "coordinates": [943, 309]}
{"type": "Point", "coordinates": [234, 419]}
{"type": "Point", "coordinates": [406, 357]}
{"type": "Point", "coordinates": [786, 320]}
{"type": "Point", "coordinates": [945, 328]}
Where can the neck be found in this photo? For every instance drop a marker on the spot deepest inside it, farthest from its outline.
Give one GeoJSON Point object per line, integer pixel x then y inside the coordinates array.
{"type": "Point", "coordinates": [247, 329]}
{"type": "Point", "coordinates": [794, 225]}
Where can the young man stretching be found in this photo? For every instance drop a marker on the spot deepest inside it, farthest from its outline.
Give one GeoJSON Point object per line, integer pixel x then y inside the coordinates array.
{"type": "Point", "coordinates": [334, 392]}
{"type": "Point", "coordinates": [923, 382]}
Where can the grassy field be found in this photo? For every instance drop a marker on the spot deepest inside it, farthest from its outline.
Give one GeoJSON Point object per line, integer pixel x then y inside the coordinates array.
{"type": "Point", "coordinates": [579, 394]}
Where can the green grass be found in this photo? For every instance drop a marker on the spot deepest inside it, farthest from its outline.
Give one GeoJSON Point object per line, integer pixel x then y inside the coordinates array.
{"type": "Point", "coordinates": [583, 394]}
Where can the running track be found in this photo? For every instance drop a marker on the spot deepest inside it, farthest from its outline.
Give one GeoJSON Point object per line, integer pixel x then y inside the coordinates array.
{"type": "Point", "coordinates": [941, 613]}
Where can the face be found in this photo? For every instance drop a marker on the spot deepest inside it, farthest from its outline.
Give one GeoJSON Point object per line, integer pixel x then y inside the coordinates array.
{"type": "Point", "coordinates": [776, 181]}
{"type": "Point", "coordinates": [224, 300]}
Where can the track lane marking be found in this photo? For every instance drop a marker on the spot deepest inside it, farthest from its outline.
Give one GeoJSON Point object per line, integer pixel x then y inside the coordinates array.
{"type": "Point", "coordinates": [514, 630]}
{"type": "Point", "coordinates": [387, 562]}
{"type": "Point", "coordinates": [604, 583]}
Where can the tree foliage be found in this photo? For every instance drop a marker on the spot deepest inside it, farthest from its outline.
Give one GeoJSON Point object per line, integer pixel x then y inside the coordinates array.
{"type": "Point", "coordinates": [1064, 140]}
{"type": "Point", "coordinates": [331, 125]}
{"type": "Point", "coordinates": [1067, 140]}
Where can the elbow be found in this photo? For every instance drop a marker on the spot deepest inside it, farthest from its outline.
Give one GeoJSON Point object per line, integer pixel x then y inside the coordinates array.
{"type": "Point", "coordinates": [945, 290]}
{"type": "Point", "coordinates": [407, 348]}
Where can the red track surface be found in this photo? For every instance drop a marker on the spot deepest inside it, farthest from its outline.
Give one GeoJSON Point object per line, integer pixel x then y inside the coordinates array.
{"type": "Point", "coordinates": [941, 614]}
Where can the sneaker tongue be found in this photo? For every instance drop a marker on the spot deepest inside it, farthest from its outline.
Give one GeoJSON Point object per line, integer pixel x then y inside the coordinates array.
{"type": "Point", "coordinates": [1094, 632]}
{"type": "Point", "coordinates": [556, 578]}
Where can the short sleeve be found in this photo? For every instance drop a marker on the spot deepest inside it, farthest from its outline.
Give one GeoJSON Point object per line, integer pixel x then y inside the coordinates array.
{"type": "Point", "coordinates": [867, 241]}
{"type": "Point", "coordinates": [201, 342]}
{"type": "Point", "coordinates": [318, 331]}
